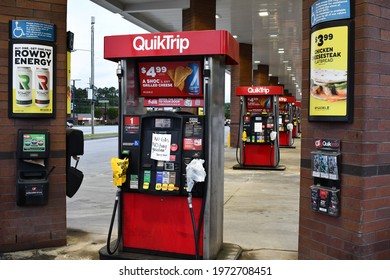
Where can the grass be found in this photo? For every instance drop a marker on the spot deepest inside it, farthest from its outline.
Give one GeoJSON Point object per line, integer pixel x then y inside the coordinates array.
{"type": "Point", "coordinates": [99, 136]}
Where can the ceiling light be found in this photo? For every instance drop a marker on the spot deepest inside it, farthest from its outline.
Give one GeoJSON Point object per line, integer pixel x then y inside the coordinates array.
{"type": "Point", "coordinates": [235, 36]}
{"type": "Point", "coordinates": [281, 51]}
{"type": "Point", "coordinates": [217, 16]}
{"type": "Point", "coordinates": [264, 13]}
{"type": "Point", "coordinates": [273, 35]}
{"type": "Point", "coordinates": [288, 68]}
{"type": "Point", "coordinates": [257, 61]}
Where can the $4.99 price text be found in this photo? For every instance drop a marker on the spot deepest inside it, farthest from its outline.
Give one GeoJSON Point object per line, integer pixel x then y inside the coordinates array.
{"type": "Point", "coordinates": [153, 71]}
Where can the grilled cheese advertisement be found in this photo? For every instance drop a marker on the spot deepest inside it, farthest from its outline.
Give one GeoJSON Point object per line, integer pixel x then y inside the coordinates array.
{"type": "Point", "coordinates": [329, 71]}
{"type": "Point", "coordinates": [170, 79]}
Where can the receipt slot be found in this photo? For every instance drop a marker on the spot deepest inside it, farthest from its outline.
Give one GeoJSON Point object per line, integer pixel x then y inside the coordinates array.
{"type": "Point", "coordinates": [32, 186]}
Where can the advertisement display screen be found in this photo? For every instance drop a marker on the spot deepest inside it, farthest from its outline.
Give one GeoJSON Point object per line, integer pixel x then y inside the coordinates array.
{"type": "Point", "coordinates": [331, 72]}
{"type": "Point", "coordinates": [32, 53]}
{"type": "Point", "coordinates": [32, 144]}
{"type": "Point", "coordinates": [171, 79]}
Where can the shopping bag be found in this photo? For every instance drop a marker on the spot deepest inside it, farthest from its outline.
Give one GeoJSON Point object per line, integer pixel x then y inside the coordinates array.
{"type": "Point", "coordinates": [119, 169]}
{"type": "Point", "coordinates": [74, 178]}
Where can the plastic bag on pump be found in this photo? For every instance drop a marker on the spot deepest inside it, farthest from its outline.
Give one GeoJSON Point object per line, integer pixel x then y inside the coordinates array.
{"type": "Point", "coordinates": [119, 168]}
{"type": "Point", "coordinates": [195, 173]}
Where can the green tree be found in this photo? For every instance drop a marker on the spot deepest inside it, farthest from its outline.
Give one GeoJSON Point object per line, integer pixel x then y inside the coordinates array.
{"type": "Point", "coordinates": [227, 110]}
{"type": "Point", "coordinates": [112, 113]}
{"type": "Point", "coordinates": [99, 113]}
{"type": "Point", "coordinates": [81, 104]}
{"type": "Point", "coordinates": [110, 94]}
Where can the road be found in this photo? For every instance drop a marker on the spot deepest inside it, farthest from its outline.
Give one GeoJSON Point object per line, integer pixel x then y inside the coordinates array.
{"type": "Point", "coordinates": [90, 208]}
{"type": "Point", "coordinates": [100, 129]}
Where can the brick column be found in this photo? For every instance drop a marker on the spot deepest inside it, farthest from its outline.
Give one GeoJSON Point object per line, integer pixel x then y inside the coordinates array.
{"type": "Point", "coordinates": [362, 231]}
{"type": "Point", "coordinates": [23, 228]}
{"type": "Point", "coordinates": [260, 75]}
{"type": "Point", "coordinates": [273, 81]}
{"type": "Point", "coordinates": [241, 75]}
{"type": "Point", "coordinates": [200, 15]}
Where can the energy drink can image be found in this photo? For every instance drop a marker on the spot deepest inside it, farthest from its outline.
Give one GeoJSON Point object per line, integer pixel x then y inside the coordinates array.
{"type": "Point", "coordinates": [42, 96]}
{"type": "Point", "coordinates": [193, 85]}
{"type": "Point", "coordinates": [24, 89]}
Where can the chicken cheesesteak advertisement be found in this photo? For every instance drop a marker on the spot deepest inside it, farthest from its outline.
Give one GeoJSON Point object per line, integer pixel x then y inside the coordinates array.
{"type": "Point", "coordinates": [329, 65]}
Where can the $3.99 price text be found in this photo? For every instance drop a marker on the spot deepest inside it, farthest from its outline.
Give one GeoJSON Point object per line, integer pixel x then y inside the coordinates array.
{"type": "Point", "coordinates": [320, 39]}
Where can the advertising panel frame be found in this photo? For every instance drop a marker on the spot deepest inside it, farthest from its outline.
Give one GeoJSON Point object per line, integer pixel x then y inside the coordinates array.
{"type": "Point", "coordinates": [38, 49]}
{"type": "Point", "coordinates": [317, 105]}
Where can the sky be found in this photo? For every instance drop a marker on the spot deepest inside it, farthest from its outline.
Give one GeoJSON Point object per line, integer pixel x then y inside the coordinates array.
{"type": "Point", "coordinates": [106, 24]}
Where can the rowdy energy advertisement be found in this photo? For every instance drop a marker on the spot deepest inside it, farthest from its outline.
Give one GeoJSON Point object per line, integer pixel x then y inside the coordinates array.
{"type": "Point", "coordinates": [32, 80]}
{"type": "Point", "coordinates": [330, 73]}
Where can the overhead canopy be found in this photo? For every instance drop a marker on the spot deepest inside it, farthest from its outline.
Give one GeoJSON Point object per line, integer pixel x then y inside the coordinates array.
{"type": "Point", "coordinates": [272, 27]}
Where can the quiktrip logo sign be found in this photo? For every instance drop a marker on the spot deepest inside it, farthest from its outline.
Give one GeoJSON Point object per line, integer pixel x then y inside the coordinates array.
{"type": "Point", "coordinates": [219, 42]}
{"type": "Point", "coordinates": [164, 42]}
{"type": "Point", "coordinates": [260, 90]}
{"type": "Point", "coordinates": [327, 144]}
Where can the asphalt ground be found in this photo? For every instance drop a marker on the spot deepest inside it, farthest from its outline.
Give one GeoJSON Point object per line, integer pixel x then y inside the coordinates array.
{"type": "Point", "coordinates": [260, 213]}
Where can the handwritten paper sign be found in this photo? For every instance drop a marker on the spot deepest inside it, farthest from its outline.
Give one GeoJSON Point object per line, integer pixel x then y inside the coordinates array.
{"type": "Point", "coordinates": [160, 149]}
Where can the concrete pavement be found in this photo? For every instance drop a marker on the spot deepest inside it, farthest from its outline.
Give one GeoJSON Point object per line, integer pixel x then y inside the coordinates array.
{"type": "Point", "coordinates": [260, 215]}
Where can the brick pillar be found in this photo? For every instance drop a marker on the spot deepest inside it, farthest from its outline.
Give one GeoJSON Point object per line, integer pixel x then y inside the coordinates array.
{"type": "Point", "coordinates": [241, 75]}
{"type": "Point", "coordinates": [260, 75]}
{"type": "Point", "coordinates": [362, 231]}
{"type": "Point", "coordinates": [200, 15]}
{"type": "Point", "coordinates": [273, 81]}
{"type": "Point", "coordinates": [23, 228]}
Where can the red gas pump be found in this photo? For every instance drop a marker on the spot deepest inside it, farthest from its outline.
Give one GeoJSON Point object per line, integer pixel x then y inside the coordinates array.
{"type": "Point", "coordinates": [297, 108]}
{"type": "Point", "coordinates": [286, 121]}
{"type": "Point", "coordinates": [162, 206]}
{"type": "Point", "coordinates": [259, 142]}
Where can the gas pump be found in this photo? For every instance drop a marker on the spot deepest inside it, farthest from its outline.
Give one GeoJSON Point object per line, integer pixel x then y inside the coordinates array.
{"type": "Point", "coordinates": [259, 142]}
{"type": "Point", "coordinates": [171, 203]}
{"type": "Point", "coordinates": [297, 129]}
{"type": "Point", "coordinates": [286, 121]}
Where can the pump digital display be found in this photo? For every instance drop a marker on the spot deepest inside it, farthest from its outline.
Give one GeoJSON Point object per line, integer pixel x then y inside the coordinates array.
{"type": "Point", "coordinates": [162, 123]}
{"type": "Point", "coordinates": [34, 143]}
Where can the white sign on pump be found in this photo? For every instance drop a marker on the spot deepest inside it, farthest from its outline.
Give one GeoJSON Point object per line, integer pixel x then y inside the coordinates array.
{"type": "Point", "coordinates": [161, 144]}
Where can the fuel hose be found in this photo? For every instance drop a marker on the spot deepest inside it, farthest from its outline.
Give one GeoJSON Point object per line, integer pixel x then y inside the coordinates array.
{"type": "Point", "coordinates": [109, 251]}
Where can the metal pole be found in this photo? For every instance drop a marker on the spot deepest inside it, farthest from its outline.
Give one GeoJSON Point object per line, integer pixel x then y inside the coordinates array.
{"type": "Point", "coordinates": [92, 76]}
{"type": "Point", "coordinates": [73, 99]}
{"type": "Point", "coordinates": [119, 73]}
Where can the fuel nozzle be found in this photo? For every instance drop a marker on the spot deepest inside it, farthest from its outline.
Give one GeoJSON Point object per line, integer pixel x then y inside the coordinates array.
{"type": "Point", "coordinates": [195, 173]}
{"type": "Point", "coordinates": [244, 136]}
{"type": "Point", "coordinates": [273, 135]}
